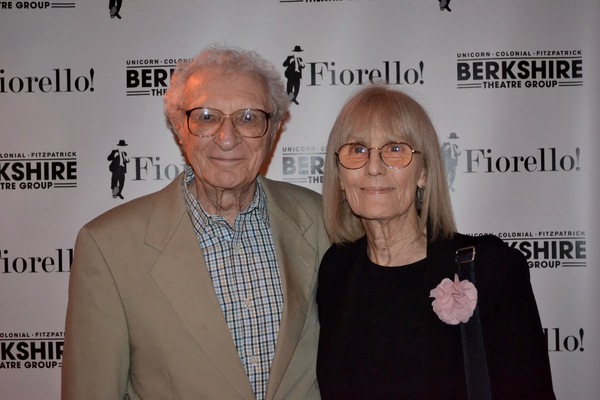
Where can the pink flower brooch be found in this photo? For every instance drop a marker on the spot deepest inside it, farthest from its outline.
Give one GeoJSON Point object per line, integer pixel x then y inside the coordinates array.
{"type": "Point", "coordinates": [454, 301]}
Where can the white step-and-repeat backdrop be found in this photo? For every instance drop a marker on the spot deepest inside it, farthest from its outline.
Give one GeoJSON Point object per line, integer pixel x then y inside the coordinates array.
{"type": "Point", "coordinates": [512, 87]}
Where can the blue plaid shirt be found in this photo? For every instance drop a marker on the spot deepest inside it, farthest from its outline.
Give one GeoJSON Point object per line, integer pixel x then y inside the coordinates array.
{"type": "Point", "coordinates": [244, 271]}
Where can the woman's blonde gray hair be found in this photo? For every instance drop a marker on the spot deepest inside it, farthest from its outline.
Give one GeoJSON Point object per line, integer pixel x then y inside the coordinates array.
{"type": "Point", "coordinates": [400, 114]}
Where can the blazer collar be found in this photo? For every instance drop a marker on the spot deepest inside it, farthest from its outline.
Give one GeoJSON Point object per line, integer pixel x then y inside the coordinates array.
{"type": "Point", "coordinates": [298, 270]}
{"type": "Point", "coordinates": [181, 273]}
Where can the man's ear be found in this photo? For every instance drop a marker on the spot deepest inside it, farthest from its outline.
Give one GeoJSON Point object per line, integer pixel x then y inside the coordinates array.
{"type": "Point", "coordinates": [178, 128]}
{"type": "Point", "coordinates": [273, 135]}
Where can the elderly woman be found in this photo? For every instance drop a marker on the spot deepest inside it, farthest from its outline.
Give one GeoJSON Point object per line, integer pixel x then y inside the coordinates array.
{"type": "Point", "coordinates": [394, 310]}
{"type": "Point", "coordinates": [206, 288]}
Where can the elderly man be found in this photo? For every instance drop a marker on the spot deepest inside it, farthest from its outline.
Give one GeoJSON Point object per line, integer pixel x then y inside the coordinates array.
{"type": "Point", "coordinates": [205, 289]}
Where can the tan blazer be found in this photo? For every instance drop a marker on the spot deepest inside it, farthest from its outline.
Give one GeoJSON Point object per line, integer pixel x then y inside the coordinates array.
{"type": "Point", "coordinates": [143, 320]}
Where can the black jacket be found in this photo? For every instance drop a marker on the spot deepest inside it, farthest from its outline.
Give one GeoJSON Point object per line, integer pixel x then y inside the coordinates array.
{"type": "Point", "coordinates": [514, 341]}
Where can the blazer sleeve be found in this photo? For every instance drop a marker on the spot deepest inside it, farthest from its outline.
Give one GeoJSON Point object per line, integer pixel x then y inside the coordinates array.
{"type": "Point", "coordinates": [514, 339]}
{"type": "Point", "coordinates": [96, 353]}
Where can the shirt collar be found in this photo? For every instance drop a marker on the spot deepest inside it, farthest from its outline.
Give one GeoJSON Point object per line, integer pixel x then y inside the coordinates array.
{"type": "Point", "coordinates": [257, 206]}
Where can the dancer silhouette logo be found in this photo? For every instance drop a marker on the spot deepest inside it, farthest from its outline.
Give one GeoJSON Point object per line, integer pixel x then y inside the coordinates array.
{"type": "Point", "coordinates": [118, 168]}
{"type": "Point", "coordinates": [293, 73]}
{"type": "Point", "coordinates": [115, 8]}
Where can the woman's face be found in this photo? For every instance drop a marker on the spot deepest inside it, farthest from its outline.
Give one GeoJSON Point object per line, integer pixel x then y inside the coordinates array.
{"type": "Point", "coordinates": [377, 192]}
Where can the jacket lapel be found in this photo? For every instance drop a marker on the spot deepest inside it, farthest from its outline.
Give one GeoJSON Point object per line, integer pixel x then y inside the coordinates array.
{"type": "Point", "coordinates": [296, 258]}
{"type": "Point", "coordinates": [182, 275]}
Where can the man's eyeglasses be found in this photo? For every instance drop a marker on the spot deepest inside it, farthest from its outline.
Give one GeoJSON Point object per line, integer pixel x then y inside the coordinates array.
{"type": "Point", "coordinates": [248, 123]}
{"type": "Point", "coordinates": [393, 154]}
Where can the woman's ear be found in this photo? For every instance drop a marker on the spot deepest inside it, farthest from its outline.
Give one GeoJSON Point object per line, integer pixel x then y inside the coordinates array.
{"type": "Point", "coordinates": [422, 182]}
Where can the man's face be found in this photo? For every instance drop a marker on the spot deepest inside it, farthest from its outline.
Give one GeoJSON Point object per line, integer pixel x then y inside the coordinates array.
{"type": "Point", "coordinates": [225, 161]}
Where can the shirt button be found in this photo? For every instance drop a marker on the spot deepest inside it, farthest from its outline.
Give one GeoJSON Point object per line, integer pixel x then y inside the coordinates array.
{"type": "Point", "coordinates": [248, 302]}
{"type": "Point", "coordinates": [254, 360]}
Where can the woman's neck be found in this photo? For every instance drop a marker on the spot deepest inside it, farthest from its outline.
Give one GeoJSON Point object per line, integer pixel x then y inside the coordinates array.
{"type": "Point", "coordinates": [395, 245]}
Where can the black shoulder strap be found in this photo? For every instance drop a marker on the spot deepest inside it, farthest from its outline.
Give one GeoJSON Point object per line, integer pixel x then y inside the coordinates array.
{"type": "Point", "coordinates": [476, 370]}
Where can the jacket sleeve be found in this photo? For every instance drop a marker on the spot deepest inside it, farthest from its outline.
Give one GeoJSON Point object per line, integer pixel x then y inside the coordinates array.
{"type": "Point", "coordinates": [515, 342]}
{"type": "Point", "coordinates": [96, 353]}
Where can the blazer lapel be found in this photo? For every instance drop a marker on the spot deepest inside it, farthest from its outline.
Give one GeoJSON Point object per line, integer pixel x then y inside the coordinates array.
{"type": "Point", "coordinates": [182, 275]}
{"type": "Point", "coordinates": [295, 256]}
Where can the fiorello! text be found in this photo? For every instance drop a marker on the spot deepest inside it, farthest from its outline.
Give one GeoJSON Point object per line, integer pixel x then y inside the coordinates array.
{"type": "Point", "coordinates": [150, 168]}
{"type": "Point", "coordinates": [544, 160]}
{"type": "Point", "coordinates": [59, 261]}
{"type": "Point", "coordinates": [59, 81]}
{"type": "Point", "coordinates": [391, 72]}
